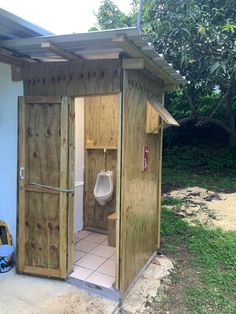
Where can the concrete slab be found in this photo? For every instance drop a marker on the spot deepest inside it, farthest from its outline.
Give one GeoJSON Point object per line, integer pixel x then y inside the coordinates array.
{"type": "Point", "coordinates": [34, 295]}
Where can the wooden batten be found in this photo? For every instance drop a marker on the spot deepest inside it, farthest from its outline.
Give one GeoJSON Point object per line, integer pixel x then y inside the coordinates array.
{"type": "Point", "coordinates": [72, 78]}
{"type": "Point", "coordinates": [64, 54]}
{"type": "Point", "coordinates": [133, 63]}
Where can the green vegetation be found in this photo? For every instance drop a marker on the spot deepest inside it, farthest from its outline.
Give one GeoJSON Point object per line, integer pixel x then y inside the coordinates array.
{"type": "Point", "coordinates": [198, 38]}
{"type": "Point", "coordinates": [206, 266]}
{"type": "Point", "coordinates": [188, 166]}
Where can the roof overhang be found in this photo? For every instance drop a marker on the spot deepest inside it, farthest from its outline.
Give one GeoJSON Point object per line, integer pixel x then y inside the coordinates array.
{"type": "Point", "coordinates": [106, 44]}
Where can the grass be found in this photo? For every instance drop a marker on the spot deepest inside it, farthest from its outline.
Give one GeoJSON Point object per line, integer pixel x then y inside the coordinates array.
{"type": "Point", "coordinates": [190, 166]}
{"type": "Point", "coordinates": [206, 276]}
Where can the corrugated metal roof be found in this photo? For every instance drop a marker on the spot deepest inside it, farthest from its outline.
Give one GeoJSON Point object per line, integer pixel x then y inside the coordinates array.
{"type": "Point", "coordinates": [12, 27]}
{"type": "Point", "coordinates": [90, 45]}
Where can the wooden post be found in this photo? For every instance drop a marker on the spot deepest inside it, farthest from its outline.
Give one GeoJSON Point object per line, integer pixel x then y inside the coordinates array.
{"type": "Point", "coordinates": [159, 177]}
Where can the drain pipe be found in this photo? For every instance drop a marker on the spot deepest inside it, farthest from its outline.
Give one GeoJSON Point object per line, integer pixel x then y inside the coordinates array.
{"type": "Point", "coordinates": [139, 15]}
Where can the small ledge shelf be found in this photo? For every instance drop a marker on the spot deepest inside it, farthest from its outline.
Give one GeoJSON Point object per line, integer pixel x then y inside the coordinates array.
{"type": "Point", "coordinates": [101, 147]}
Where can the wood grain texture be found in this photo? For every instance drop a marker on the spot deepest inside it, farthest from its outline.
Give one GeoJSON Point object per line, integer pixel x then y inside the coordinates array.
{"type": "Point", "coordinates": [138, 235]}
{"type": "Point", "coordinates": [159, 152]}
{"type": "Point", "coordinates": [152, 119]}
{"type": "Point", "coordinates": [42, 214]}
{"type": "Point", "coordinates": [71, 183]}
{"type": "Point", "coordinates": [101, 121]}
{"type": "Point", "coordinates": [95, 216]}
{"type": "Point", "coordinates": [72, 78]}
{"type": "Point", "coordinates": [101, 115]}
{"type": "Point", "coordinates": [21, 187]}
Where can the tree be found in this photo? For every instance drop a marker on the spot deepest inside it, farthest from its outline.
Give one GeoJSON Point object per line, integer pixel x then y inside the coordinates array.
{"type": "Point", "coordinates": [199, 38]}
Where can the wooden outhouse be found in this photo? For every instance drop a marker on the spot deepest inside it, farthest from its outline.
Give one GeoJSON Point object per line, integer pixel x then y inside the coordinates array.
{"type": "Point", "coordinates": [92, 102]}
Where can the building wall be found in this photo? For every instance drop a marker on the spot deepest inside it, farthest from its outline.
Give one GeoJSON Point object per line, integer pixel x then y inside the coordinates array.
{"type": "Point", "coordinates": [139, 189]}
{"type": "Point", "coordinates": [9, 91]}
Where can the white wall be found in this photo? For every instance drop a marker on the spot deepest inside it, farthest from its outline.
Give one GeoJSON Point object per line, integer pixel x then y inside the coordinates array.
{"type": "Point", "coordinates": [9, 91]}
{"type": "Point", "coordinates": [79, 163]}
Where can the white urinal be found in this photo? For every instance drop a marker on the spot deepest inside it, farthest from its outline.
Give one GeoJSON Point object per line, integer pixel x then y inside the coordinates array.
{"type": "Point", "coordinates": [103, 189]}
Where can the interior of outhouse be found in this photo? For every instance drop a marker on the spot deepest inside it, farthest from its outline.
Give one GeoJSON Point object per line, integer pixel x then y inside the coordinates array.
{"type": "Point", "coordinates": [96, 130]}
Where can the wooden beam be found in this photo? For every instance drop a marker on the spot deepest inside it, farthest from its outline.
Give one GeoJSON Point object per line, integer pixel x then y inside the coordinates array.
{"type": "Point", "coordinates": [5, 58]}
{"type": "Point", "coordinates": [133, 63]}
{"type": "Point", "coordinates": [133, 51]}
{"type": "Point", "coordinates": [59, 51]}
{"type": "Point", "coordinates": [16, 73]}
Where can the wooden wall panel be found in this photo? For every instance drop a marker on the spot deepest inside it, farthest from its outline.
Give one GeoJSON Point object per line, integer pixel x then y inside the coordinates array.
{"type": "Point", "coordinates": [72, 78]}
{"type": "Point", "coordinates": [43, 166]}
{"type": "Point", "coordinates": [101, 121]}
{"type": "Point", "coordinates": [139, 200]}
{"type": "Point", "coordinates": [152, 119]}
{"type": "Point", "coordinates": [95, 216]}
{"type": "Point", "coordinates": [101, 115]}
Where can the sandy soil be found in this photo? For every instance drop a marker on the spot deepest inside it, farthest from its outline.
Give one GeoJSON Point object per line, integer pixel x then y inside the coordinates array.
{"type": "Point", "coordinates": [210, 208]}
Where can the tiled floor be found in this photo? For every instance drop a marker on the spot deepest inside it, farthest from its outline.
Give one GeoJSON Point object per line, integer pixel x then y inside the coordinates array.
{"type": "Point", "coordinates": [94, 260]}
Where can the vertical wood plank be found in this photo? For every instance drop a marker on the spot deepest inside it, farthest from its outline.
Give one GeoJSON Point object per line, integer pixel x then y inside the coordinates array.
{"type": "Point", "coordinates": [71, 183]}
{"type": "Point", "coordinates": [139, 202]}
{"type": "Point", "coordinates": [63, 185]}
{"type": "Point", "coordinates": [159, 173]}
{"type": "Point", "coordinates": [118, 190]}
{"type": "Point", "coordinates": [21, 187]}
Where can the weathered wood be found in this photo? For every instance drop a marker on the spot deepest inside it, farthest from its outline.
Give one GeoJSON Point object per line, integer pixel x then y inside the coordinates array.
{"type": "Point", "coordinates": [71, 183]}
{"type": "Point", "coordinates": [16, 73]}
{"type": "Point", "coordinates": [100, 132]}
{"type": "Point", "coordinates": [42, 213]}
{"type": "Point", "coordinates": [164, 114]}
{"type": "Point", "coordinates": [159, 173]}
{"type": "Point", "coordinates": [63, 185]}
{"type": "Point", "coordinates": [101, 121]}
{"type": "Point", "coordinates": [40, 271]}
{"type": "Point", "coordinates": [72, 78]}
{"type": "Point", "coordinates": [133, 63]}
{"type": "Point", "coordinates": [8, 59]}
{"type": "Point", "coordinates": [152, 119]}
{"type": "Point", "coordinates": [21, 187]}
{"type": "Point", "coordinates": [111, 229]}
{"type": "Point", "coordinates": [64, 54]}
{"type": "Point", "coordinates": [118, 188]}
{"type": "Point", "coordinates": [42, 100]}
{"type": "Point", "coordinates": [95, 216]}
{"type": "Point", "coordinates": [139, 202]}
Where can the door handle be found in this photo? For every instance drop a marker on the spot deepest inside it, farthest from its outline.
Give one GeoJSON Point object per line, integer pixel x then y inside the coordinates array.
{"type": "Point", "coordinates": [21, 173]}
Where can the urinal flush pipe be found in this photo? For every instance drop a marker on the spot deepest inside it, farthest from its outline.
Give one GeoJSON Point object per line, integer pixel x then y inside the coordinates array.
{"type": "Point", "coordinates": [105, 158]}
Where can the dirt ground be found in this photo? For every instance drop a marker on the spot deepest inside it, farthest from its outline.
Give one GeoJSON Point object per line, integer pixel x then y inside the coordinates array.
{"type": "Point", "coordinates": [210, 208]}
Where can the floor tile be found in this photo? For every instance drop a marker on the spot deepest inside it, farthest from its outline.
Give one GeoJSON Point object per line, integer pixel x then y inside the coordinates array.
{"type": "Point", "coordinates": [85, 246]}
{"type": "Point", "coordinates": [105, 242]}
{"type": "Point", "coordinates": [81, 273]}
{"type": "Point", "coordinates": [103, 251]}
{"type": "Point", "coordinates": [78, 254]}
{"type": "Point", "coordinates": [91, 261]}
{"type": "Point", "coordinates": [108, 268]}
{"type": "Point", "coordinates": [113, 257]}
{"type": "Point", "coordinates": [83, 234]}
{"type": "Point", "coordinates": [96, 237]}
{"type": "Point", "coordinates": [101, 280]}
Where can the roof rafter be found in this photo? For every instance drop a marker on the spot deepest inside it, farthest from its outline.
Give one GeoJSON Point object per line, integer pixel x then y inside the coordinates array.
{"type": "Point", "coordinates": [123, 42]}
{"type": "Point", "coordinates": [59, 51]}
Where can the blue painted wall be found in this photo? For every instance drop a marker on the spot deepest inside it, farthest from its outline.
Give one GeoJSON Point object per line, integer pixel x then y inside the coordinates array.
{"type": "Point", "coordinates": [9, 91]}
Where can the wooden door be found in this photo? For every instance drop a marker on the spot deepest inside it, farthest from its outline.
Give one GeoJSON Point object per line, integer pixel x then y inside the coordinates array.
{"type": "Point", "coordinates": [45, 186]}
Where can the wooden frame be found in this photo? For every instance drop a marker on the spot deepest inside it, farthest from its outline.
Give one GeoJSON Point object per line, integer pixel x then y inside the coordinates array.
{"type": "Point", "coordinates": [125, 77]}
